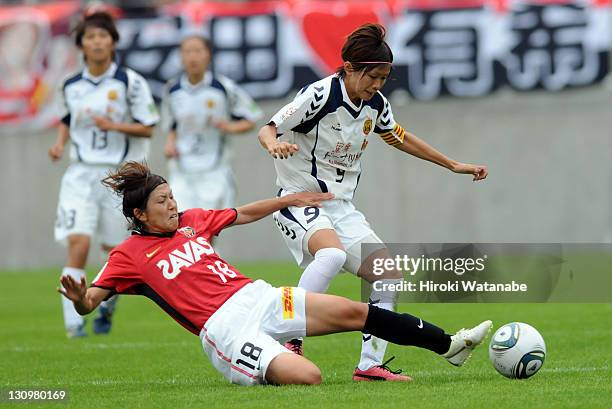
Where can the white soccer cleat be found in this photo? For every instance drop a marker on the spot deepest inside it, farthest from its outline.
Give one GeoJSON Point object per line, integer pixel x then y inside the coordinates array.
{"type": "Point", "coordinates": [464, 342]}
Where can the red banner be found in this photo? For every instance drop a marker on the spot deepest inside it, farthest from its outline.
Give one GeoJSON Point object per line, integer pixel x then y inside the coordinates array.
{"type": "Point", "coordinates": [459, 48]}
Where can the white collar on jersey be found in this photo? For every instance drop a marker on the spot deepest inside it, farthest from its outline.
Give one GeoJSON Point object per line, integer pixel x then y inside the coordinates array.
{"type": "Point", "coordinates": [109, 73]}
{"type": "Point", "coordinates": [206, 81]}
{"type": "Point", "coordinates": [346, 98]}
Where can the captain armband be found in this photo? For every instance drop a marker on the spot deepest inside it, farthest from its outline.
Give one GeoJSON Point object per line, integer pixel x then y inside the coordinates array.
{"type": "Point", "coordinates": [394, 137]}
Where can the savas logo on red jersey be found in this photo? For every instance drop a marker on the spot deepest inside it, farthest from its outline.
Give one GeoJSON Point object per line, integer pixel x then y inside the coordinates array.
{"type": "Point", "coordinates": [190, 253]}
{"type": "Point", "coordinates": [187, 231]}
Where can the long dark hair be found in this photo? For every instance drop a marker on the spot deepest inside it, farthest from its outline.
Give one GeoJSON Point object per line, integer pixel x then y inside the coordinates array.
{"type": "Point", "coordinates": [134, 182]}
{"type": "Point", "coordinates": [365, 48]}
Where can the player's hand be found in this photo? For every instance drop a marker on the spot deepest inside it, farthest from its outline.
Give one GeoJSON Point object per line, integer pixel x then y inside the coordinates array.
{"type": "Point", "coordinates": [170, 150]}
{"type": "Point", "coordinates": [479, 172]}
{"type": "Point", "coordinates": [104, 123]}
{"type": "Point", "coordinates": [281, 150]}
{"type": "Point", "coordinates": [73, 290]}
{"type": "Point", "coordinates": [56, 152]}
{"type": "Point", "coordinates": [308, 199]}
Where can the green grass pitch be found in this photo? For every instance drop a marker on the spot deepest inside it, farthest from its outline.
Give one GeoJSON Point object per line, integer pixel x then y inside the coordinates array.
{"type": "Point", "coordinates": [149, 361]}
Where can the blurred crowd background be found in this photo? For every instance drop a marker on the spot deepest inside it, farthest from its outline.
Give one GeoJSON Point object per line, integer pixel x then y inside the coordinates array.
{"type": "Point", "coordinates": [521, 86]}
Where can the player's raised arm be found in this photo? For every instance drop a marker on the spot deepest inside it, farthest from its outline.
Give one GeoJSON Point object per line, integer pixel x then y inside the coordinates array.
{"type": "Point", "coordinates": [419, 148]}
{"type": "Point", "coordinates": [303, 109]}
{"type": "Point", "coordinates": [85, 299]}
{"type": "Point", "coordinates": [278, 149]}
{"type": "Point", "coordinates": [252, 212]}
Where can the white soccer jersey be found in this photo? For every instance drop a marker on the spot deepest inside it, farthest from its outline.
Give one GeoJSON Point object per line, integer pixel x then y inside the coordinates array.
{"type": "Point", "coordinates": [189, 109]}
{"type": "Point", "coordinates": [332, 134]}
{"type": "Point", "coordinates": [119, 94]}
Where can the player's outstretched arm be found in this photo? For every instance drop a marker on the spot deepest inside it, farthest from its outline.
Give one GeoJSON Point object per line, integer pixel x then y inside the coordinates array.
{"type": "Point", "coordinates": [419, 148]}
{"type": "Point", "coordinates": [85, 299]}
{"type": "Point", "coordinates": [257, 210]}
{"type": "Point", "coordinates": [278, 149]}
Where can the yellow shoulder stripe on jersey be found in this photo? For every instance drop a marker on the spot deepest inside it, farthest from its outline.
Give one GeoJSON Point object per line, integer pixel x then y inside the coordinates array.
{"type": "Point", "coordinates": [394, 137]}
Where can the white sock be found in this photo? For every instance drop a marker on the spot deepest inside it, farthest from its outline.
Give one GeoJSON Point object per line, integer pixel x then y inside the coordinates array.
{"type": "Point", "coordinates": [372, 348]}
{"type": "Point", "coordinates": [72, 319]}
{"type": "Point", "coordinates": [325, 266]}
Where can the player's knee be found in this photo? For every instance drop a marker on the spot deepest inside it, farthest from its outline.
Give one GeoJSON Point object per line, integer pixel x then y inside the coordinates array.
{"type": "Point", "coordinates": [352, 314]}
{"type": "Point", "coordinates": [313, 376]}
{"type": "Point", "coordinates": [333, 258]}
{"type": "Point", "coordinates": [309, 375]}
{"type": "Point", "coordinates": [291, 369]}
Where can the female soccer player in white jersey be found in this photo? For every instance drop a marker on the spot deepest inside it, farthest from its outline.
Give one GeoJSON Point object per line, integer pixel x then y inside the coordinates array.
{"type": "Point", "coordinates": [241, 324]}
{"type": "Point", "coordinates": [202, 110]}
{"type": "Point", "coordinates": [108, 116]}
{"type": "Point", "coordinates": [319, 139]}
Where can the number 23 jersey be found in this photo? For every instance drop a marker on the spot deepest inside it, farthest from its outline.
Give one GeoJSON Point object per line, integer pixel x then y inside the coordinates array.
{"type": "Point", "coordinates": [179, 271]}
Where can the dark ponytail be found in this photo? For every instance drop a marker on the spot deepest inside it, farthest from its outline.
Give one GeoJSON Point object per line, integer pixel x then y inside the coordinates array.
{"type": "Point", "coordinates": [365, 48]}
{"type": "Point", "coordinates": [134, 182]}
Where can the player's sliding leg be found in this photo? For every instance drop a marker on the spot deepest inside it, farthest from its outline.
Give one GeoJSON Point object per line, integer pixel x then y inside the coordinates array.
{"type": "Point", "coordinates": [292, 369]}
{"type": "Point", "coordinates": [329, 257]}
{"type": "Point", "coordinates": [78, 248]}
{"type": "Point", "coordinates": [103, 322]}
{"type": "Point", "coordinates": [326, 314]}
{"type": "Point", "coordinates": [371, 366]}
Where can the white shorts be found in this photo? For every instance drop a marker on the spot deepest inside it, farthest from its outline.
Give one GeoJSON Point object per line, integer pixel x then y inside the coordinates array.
{"type": "Point", "coordinates": [298, 224]}
{"type": "Point", "coordinates": [87, 207]}
{"type": "Point", "coordinates": [212, 189]}
{"type": "Point", "coordinates": [243, 336]}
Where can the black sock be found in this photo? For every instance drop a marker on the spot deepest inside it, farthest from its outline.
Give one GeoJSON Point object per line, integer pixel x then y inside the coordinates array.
{"type": "Point", "coordinates": [406, 329]}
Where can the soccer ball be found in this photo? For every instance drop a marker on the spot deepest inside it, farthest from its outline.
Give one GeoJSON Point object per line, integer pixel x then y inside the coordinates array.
{"type": "Point", "coordinates": [517, 350]}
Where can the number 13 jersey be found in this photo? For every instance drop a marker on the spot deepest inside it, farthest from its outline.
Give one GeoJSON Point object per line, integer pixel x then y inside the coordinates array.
{"type": "Point", "coordinates": [121, 95]}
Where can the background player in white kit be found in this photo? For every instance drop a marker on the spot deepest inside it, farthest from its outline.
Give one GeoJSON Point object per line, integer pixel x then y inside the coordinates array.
{"type": "Point", "coordinates": [108, 114]}
{"type": "Point", "coordinates": [201, 110]}
{"type": "Point", "coordinates": [321, 136]}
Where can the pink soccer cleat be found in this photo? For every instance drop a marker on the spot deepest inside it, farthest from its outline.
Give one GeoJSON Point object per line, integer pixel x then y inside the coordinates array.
{"type": "Point", "coordinates": [295, 346]}
{"type": "Point", "coordinates": [380, 373]}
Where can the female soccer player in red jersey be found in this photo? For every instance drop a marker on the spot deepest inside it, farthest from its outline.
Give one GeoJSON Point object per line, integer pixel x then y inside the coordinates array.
{"type": "Point", "coordinates": [241, 323]}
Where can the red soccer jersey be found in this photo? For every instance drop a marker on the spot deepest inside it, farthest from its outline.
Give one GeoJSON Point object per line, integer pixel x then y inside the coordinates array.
{"type": "Point", "coordinates": [179, 271]}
